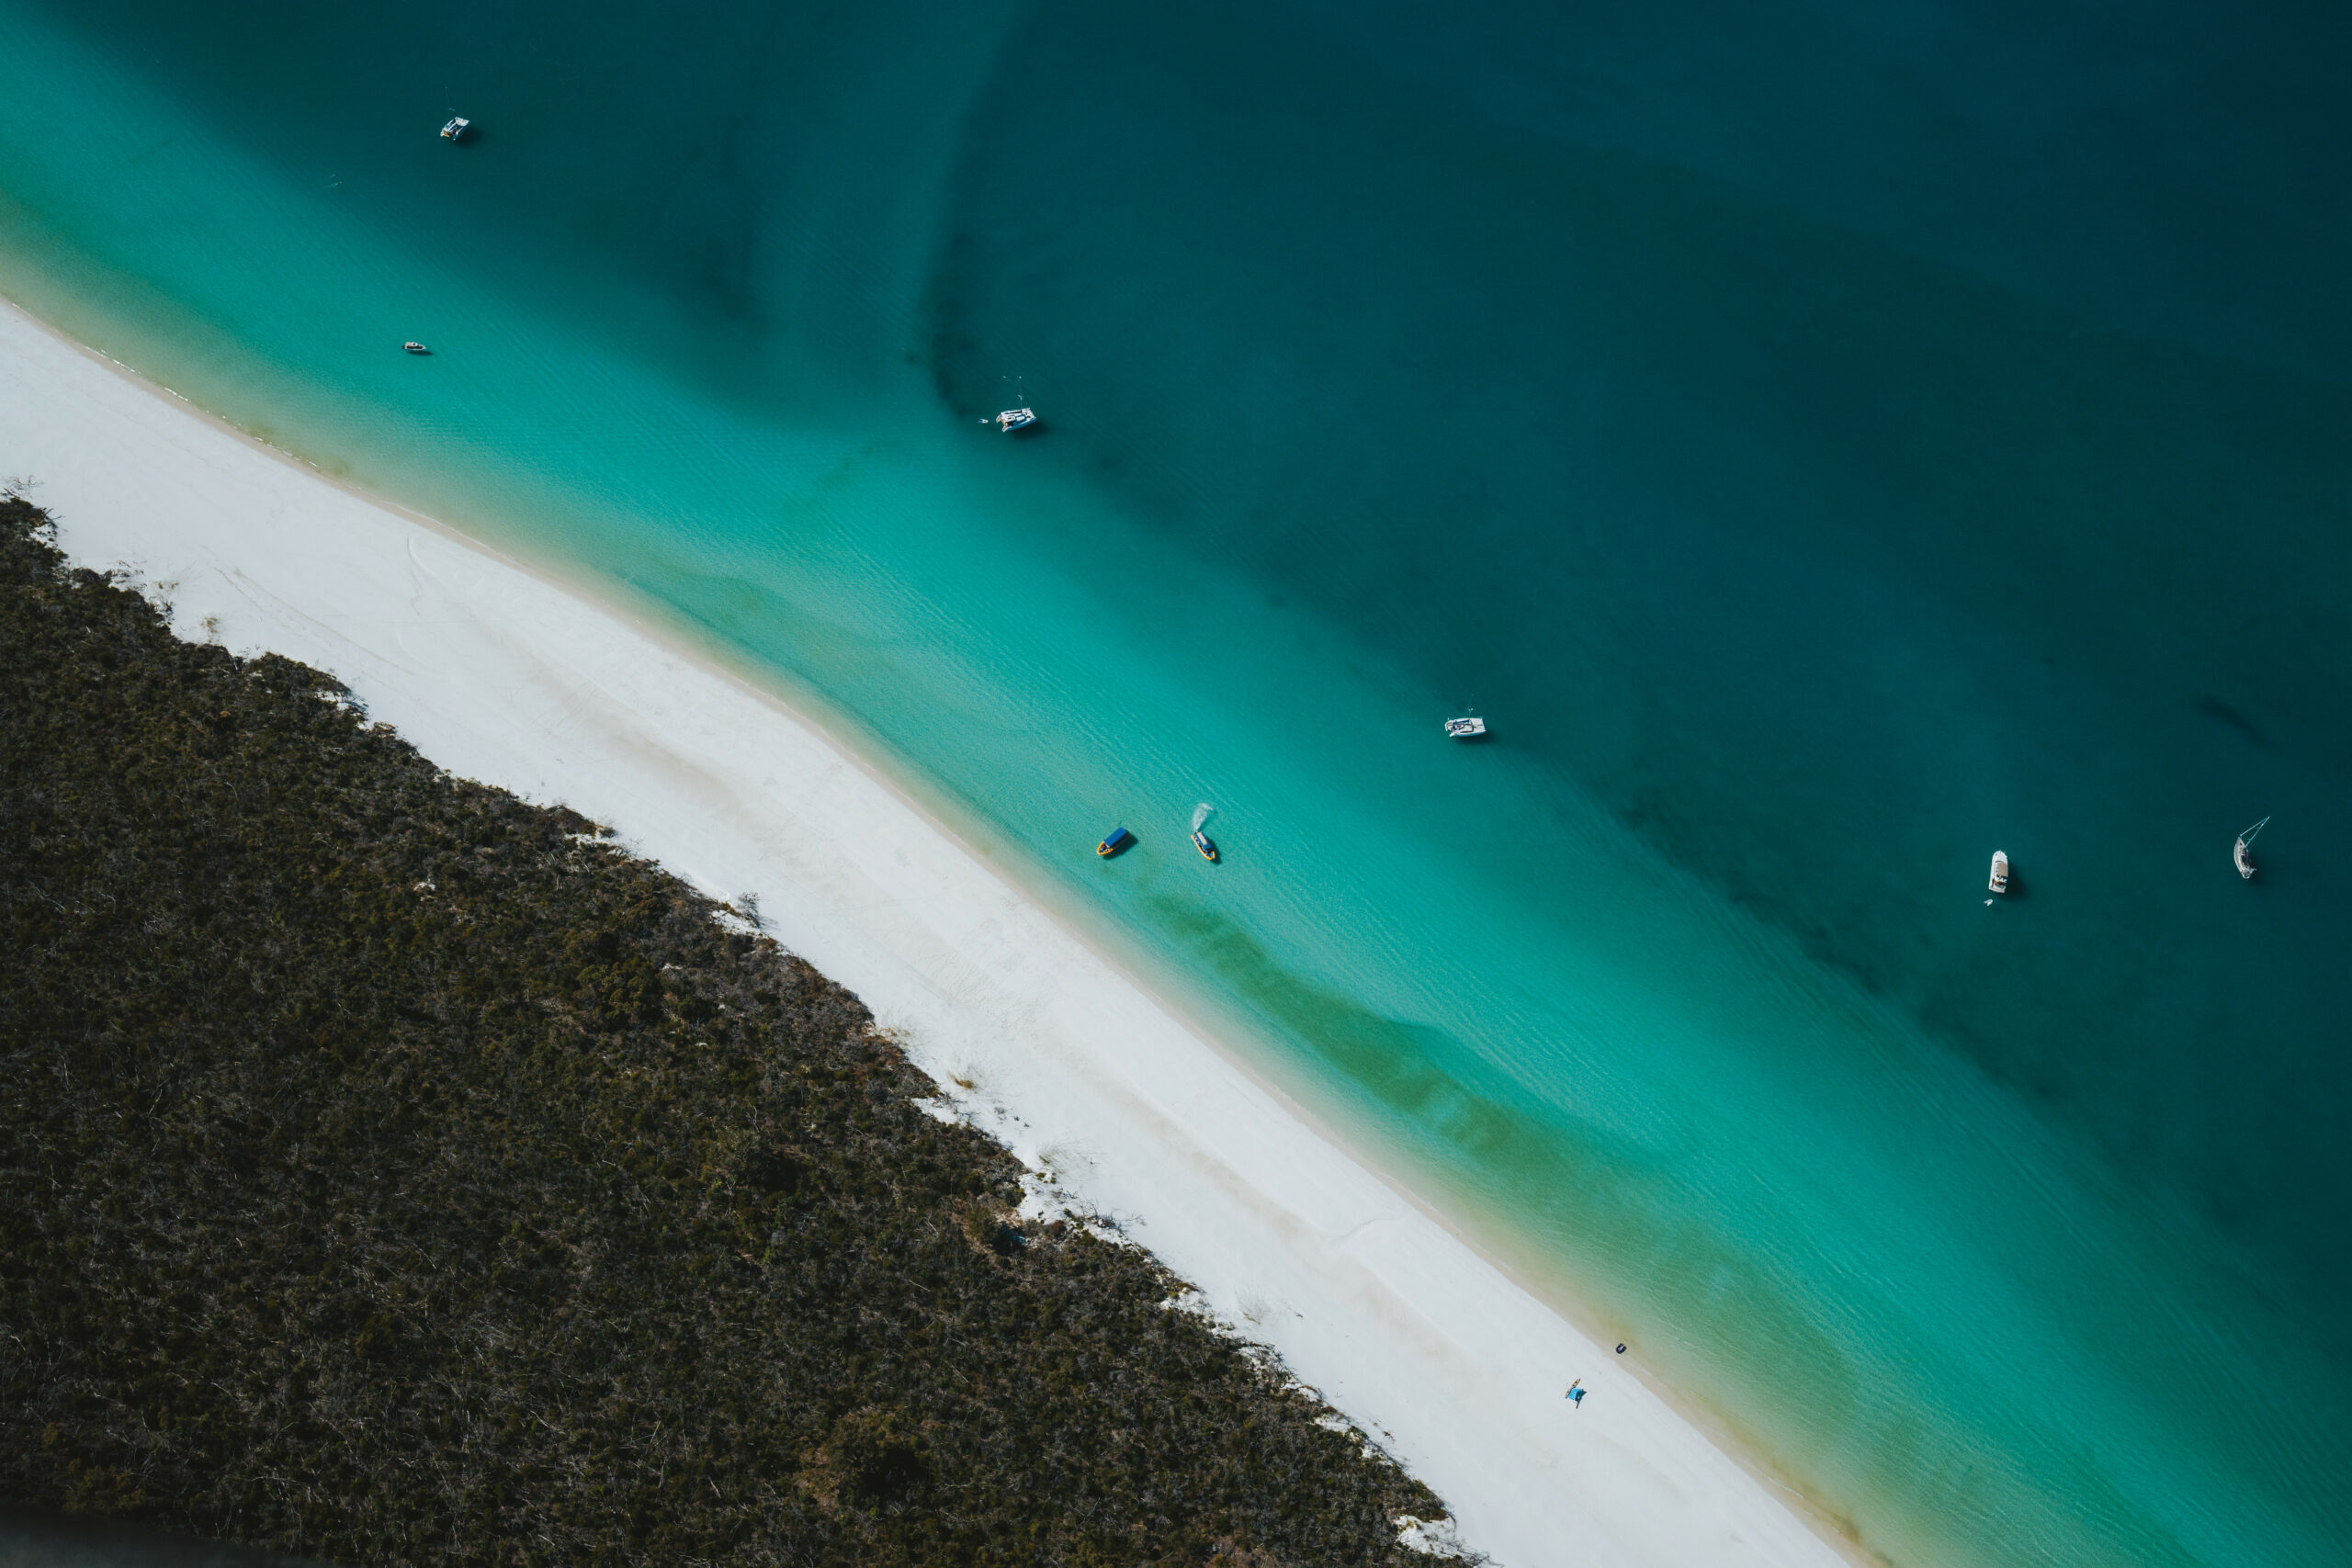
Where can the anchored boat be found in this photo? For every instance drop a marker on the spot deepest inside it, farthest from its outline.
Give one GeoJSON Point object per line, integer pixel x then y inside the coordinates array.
{"type": "Point", "coordinates": [1118, 839]}
{"type": "Point", "coordinates": [456, 127]}
{"type": "Point", "coordinates": [1012, 419]}
{"type": "Point", "coordinates": [2243, 855]}
{"type": "Point", "coordinates": [2001, 882]}
{"type": "Point", "coordinates": [412, 347]}
{"type": "Point", "coordinates": [1469, 728]}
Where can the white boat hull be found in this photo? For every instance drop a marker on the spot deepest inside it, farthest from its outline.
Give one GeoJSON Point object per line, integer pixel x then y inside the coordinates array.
{"type": "Point", "coordinates": [2242, 853]}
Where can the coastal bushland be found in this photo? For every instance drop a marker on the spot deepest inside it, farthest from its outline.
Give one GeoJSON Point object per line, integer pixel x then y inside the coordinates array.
{"type": "Point", "coordinates": [392, 1171]}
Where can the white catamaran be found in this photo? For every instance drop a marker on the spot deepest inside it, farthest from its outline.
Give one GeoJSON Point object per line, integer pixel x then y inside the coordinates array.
{"type": "Point", "coordinates": [2243, 855]}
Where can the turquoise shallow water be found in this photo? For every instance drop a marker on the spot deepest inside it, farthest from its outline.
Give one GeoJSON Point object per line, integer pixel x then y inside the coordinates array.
{"type": "Point", "coordinates": [1829, 450]}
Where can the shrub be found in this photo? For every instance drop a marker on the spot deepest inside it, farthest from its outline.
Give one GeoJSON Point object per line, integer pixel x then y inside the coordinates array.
{"type": "Point", "coordinates": [394, 1172]}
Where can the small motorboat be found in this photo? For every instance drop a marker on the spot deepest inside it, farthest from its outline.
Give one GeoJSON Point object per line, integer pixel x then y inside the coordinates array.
{"type": "Point", "coordinates": [1012, 419]}
{"type": "Point", "coordinates": [2243, 855]}
{"type": "Point", "coordinates": [1114, 841]}
{"type": "Point", "coordinates": [412, 347]}
{"type": "Point", "coordinates": [2001, 882]}
{"type": "Point", "coordinates": [1202, 841]}
{"type": "Point", "coordinates": [456, 127]}
{"type": "Point", "coordinates": [1470, 728]}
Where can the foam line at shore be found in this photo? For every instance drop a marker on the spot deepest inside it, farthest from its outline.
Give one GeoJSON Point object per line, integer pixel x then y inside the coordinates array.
{"type": "Point", "coordinates": [498, 675]}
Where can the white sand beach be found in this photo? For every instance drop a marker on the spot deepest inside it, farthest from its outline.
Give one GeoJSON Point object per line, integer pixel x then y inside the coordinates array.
{"type": "Point", "coordinates": [498, 675]}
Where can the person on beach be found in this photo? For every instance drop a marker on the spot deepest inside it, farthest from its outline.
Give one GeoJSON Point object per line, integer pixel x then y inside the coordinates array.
{"type": "Point", "coordinates": [1576, 1393]}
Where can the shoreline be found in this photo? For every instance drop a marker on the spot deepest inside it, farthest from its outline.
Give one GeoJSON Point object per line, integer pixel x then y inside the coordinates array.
{"type": "Point", "coordinates": [506, 673]}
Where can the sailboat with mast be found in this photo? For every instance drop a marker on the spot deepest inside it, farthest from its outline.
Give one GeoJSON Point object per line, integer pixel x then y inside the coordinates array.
{"type": "Point", "coordinates": [2243, 855]}
{"type": "Point", "coordinates": [1016, 419]}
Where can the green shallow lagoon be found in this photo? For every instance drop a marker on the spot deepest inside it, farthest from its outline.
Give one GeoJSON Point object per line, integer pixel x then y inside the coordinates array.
{"type": "Point", "coordinates": [1827, 451]}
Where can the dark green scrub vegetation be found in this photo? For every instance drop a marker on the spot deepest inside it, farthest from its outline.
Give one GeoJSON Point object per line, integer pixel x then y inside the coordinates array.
{"type": "Point", "coordinates": [394, 1172]}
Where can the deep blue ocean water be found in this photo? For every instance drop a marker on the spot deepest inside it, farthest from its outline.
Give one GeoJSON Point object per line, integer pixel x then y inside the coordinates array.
{"type": "Point", "coordinates": [1828, 446]}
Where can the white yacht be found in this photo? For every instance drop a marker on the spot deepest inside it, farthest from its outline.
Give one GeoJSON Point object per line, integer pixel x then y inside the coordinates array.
{"type": "Point", "coordinates": [2001, 882]}
{"type": "Point", "coordinates": [2243, 855]}
{"type": "Point", "coordinates": [1012, 419]}
{"type": "Point", "coordinates": [1469, 728]}
{"type": "Point", "coordinates": [456, 127]}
